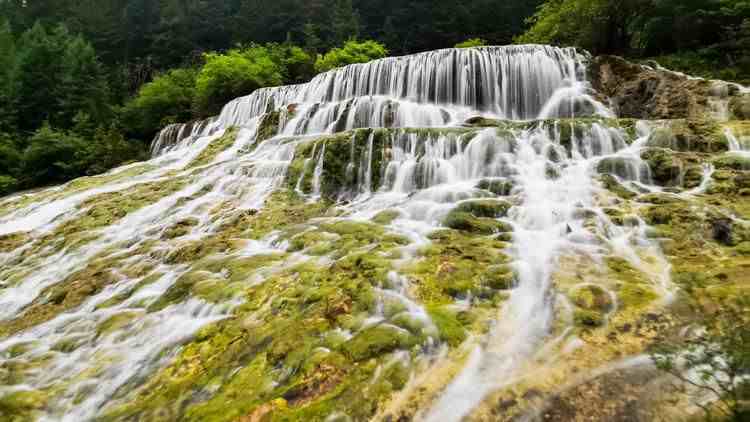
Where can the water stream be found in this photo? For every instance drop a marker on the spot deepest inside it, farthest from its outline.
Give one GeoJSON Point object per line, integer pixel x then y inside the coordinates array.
{"type": "Point", "coordinates": [424, 176]}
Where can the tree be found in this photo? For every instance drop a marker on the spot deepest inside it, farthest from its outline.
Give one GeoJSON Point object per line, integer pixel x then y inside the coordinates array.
{"type": "Point", "coordinates": [50, 157]}
{"type": "Point", "coordinates": [7, 79]}
{"type": "Point", "coordinates": [714, 359]}
{"type": "Point", "coordinates": [169, 98]}
{"type": "Point", "coordinates": [352, 52]}
{"type": "Point", "coordinates": [56, 76]}
{"type": "Point", "coordinates": [345, 22]}
{"type": "Point", "coordinates": [236, 73]}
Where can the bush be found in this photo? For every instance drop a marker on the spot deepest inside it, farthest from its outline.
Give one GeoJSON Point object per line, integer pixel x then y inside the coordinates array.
{"type": "Point", "coordinates": [472, 42]}
{"type": "Point", "coordinates": [167, 99]}
{"type": "Point", "coordinates": [352, 52]}
{"type": "Point", "coordinates": [296, 64]}
{"type": "Point", "coordinates": [237, 73]}
{"type": "Point", "coordinates": [50, 157]}
{"type": "Point", "coordinates": [55, 156]}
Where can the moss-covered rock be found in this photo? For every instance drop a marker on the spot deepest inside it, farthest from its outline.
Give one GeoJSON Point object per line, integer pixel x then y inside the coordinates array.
{"type": "Point", "coordinates": [377, 340]}
{"type": "Point", "coordinates": [498, 187]}
{"type": "Point", "coordinates": [703, 136]}
{"type": "Point", "coordinates": [487, 208]}
{"type": "Point", "coordinates": [739, 107]}
{"type": "Point", "coordinates": [732, 161]}
{"type": "Point", "coordinates": [465, 221]}
{"type": "Point", "coordinates": [212, 150]}
{"type": "Point", "coordinates": [592, 298]}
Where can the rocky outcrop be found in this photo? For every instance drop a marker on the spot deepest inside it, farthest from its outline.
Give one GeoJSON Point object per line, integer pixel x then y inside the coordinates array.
{"type": "Point", "coordinates": [650, 92]}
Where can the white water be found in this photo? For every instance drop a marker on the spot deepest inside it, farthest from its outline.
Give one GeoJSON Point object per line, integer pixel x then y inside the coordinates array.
{"type": "Point", "coordinates": [424, 175]}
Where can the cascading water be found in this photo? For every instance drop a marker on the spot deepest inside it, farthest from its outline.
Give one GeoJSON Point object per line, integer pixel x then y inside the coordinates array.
{"type": "Point", "coordinates": [421, 174]}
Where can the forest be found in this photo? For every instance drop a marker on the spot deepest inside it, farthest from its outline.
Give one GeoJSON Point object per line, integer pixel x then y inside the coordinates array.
{"type": "Point", "coordinates": [86, 84]}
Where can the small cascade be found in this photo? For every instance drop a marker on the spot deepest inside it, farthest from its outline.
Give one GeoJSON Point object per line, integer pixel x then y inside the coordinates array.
{"type": "Point", "coordinates": [735, 146]}
{"type": "Point", "coordinates": [317, 180]}
{"type": "Point", "coordinates": [364, 178]}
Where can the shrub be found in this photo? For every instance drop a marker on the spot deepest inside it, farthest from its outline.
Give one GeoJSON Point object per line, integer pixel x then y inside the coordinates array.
{"type": "Point", "coordinates": [237, 73]}
{"type": "Point", "coordinates": [472, 42]}
{"type": "Point", "coordinates": [166, 99]}
{"type": "Point", "coordinates": [352, 52]}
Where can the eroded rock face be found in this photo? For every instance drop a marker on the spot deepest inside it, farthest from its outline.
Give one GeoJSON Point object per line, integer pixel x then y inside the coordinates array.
{"type": "Point", "coordinates": [644, 92]}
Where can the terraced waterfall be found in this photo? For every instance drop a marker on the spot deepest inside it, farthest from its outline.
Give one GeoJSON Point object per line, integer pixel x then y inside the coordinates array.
{"type": "Point", "coordinates": [464, 234]}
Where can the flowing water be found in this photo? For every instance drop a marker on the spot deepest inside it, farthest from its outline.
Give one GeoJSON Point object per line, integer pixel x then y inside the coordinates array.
{"type": "Point", "coordinates": [422, 175]}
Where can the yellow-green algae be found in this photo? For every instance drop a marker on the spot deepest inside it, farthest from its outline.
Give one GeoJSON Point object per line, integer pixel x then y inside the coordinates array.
{"type": "Point", "coordinates": [213, 149]}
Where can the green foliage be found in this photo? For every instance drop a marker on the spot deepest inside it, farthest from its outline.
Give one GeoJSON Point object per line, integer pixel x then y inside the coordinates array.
{"type": "Point", "coordinates": [236, 73]}
{"type": "Point", "coordinates": [472, 42]}
{"type": "Point", "coordinates": [167, 99]}
{"type": "Point", "coordinates": [702, 33]}
{"type": "Point", "coordinates": [7, 78]}
{"type": "Point", "coordinates": [714, 359]}
{"type": "Point", "coordinates": [53, 64]}
{"type": "Point", "coordinates": [352, 52]}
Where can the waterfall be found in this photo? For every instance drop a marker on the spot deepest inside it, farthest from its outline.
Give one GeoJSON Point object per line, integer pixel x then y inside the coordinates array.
{"type": "Point", "coordinates": [417, 159]}
{"type": "Point", "coordinates": [431, 89]}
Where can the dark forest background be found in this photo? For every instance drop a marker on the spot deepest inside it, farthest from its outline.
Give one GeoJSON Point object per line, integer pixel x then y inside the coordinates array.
{"type": "Point", "coordinates": [86, 84]}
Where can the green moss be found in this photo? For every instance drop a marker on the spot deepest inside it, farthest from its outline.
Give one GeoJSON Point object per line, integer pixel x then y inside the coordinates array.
{"type": "Point", "coordinates": [377, 340]}
{"type": "Point", "coordinates": [179, 229]}
{"type": "Point", "coordinates": [449, 327]}
{"type": "Point", "coordinates": [212, 150]}
{"type": "Point", "coordinates": [386, 217]}
{"type": "Point", "coordinates": [739, 107]}
{"type": "Point", "coordinates": [610, 183]}
{"type": "Point", "coordinates": [703, 136]}
{"type": "Point", "coordinates": [588, 318]}
{"type": "Point", "coordinates": [732, 161]}
{"type": "Point", "coordinates": [116, 322]}
{"type": "Point", "coordinates": [13, 241]}
{"type": "Point", "coordinates": [268, 126]}
{"type": "Point", "coordinates": [21, 406]}
{"type": "Point", "coordinates": [108, 208]}
{"type": "Point", "coordinates": [71, 292]}
{"type": "Point", "coordinates": [487, 208]}
{"type": "Point", "coordinates": [499, 277]}
{"type": "Point", "coordinates": [497, 187]}
{"type": "Point", "coordinates": [455, 264]}
{"type": "Point", "coordinates": [743, 248]}
{"type": "Point", "coordinates": [636, 295]}
{"type": "Point", "coordinates": [465, 221]}
{"type": "Point", "coordinates": [592, 298]}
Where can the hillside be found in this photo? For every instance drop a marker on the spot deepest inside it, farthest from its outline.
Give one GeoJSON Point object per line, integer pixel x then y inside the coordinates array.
{"type": "Point", "coordinates": [491, 233]}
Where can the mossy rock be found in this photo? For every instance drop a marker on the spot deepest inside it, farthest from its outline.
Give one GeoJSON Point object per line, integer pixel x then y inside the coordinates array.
{"type": "Point", "coordinates": [732, 161]}
{"type": "Point", "coordinates": [386, 217]}
{"type": "Point", "coordinates": [622, 167]}
{"type": "Point", "coordinates": [22, 405]}
{"type": "Point", "coordinates": [739, 107]}
{"type": "Point", "coordinates": [633, 295]}
{"type": "Point", "coordinates": [467, 222]}
{"type": "Point", "coordinates": [486, 208]}
{"type": "Point", "coordinates": [497, 187]}
{"type": "Point", "coordinates": [268, 126]}
{"type": "Point", "coordinates": [665, 168]}
{"type": "Point", "coordinates": [592, 298]}
{"type": "Point", "coordinates": [613, 185]}
{"type": "Point", "coordinates": [703, 136]}
{"type": "Point", "coordinates": [659, 198]}
{"type": "Point", "coordinates": [448, 324]}
{"type": "Point", "coordinates": [588, 318]}
{"type": "Point", "coordinates": [212, 150]}
{"type": "Point", "coordinates": [499, 277]}
{"type": "Point", "coordinates": [179, 229]}
{"type": "Point", "coordinates": [378, 340]}
{"type": "Point", "coordinates": [743, 248]}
